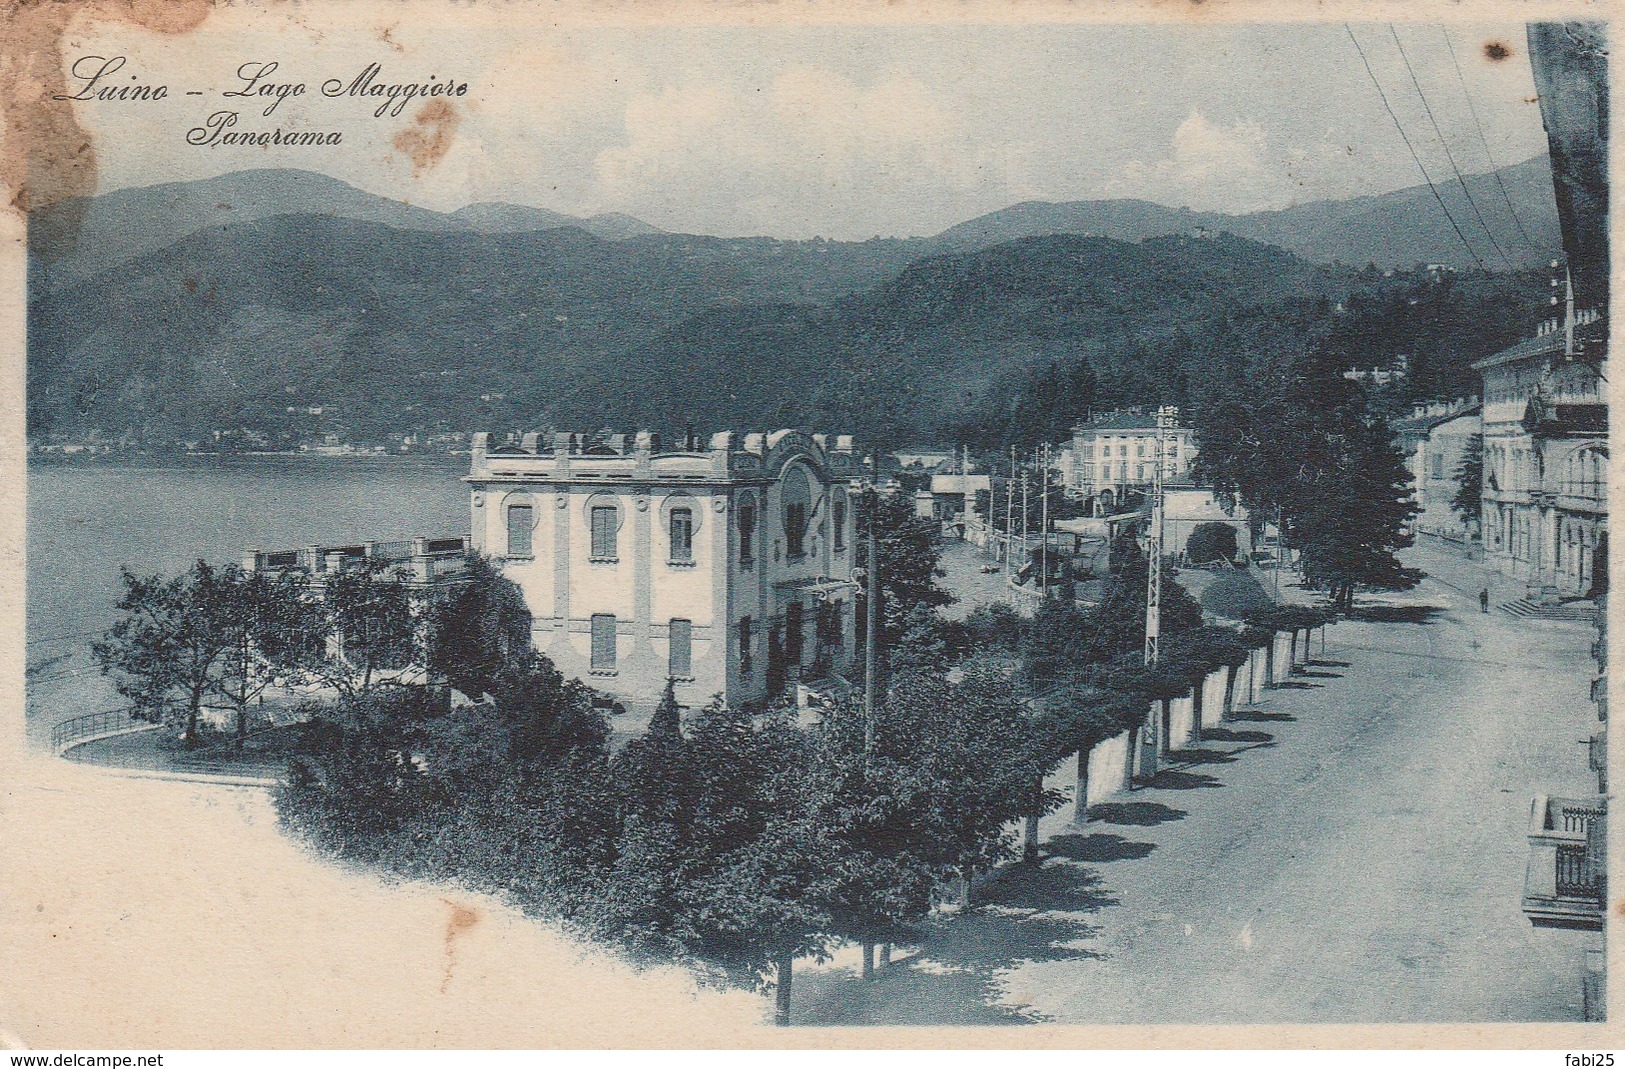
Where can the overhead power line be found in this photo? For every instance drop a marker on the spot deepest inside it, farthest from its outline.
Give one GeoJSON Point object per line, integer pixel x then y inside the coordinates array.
{"type": "Point", "coordinates": [1482, 140]}
{"type": "Point", "coordinates": [1403, 136]}
{"type": "Point", "coordinates": [1448, 155]}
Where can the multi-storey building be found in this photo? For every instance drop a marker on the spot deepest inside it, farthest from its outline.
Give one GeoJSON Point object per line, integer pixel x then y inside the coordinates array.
{"type": "Point", "coordinates": [1116, 452]}
{"type": "Point", "coordinates": [1545, 501]}
{"type": "Point", "coordinates": [726, 567]}
{"type": "Point", "coordinates": [1437, 439]}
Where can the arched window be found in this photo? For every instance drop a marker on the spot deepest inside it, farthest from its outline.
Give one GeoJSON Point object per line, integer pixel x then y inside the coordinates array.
{"type": "Point", "coordinates": [745, 525]}
{"type": "Point", "coordinates": [796, 502]}
{"type": "Point", "coordinates": [681, 526]}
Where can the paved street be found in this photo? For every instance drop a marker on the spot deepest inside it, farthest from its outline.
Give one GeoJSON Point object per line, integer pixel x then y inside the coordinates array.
{"type": "Point", "coordinates": [1351, 851]}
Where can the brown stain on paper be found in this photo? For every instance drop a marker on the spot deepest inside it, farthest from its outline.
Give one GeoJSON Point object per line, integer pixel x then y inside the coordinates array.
{"type": "Point", "coordinates": [462, 919]}
{"type": "Point", "coordinates": [1495, 51]}
{"type": "Point", "coordinates": [429, 137]}
{"type": "Point", "coordinates": [47, 156]}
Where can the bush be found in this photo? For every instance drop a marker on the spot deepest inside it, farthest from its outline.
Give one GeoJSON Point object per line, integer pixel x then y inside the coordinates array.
{"type": "Point", "coordinates": [1210, 542]}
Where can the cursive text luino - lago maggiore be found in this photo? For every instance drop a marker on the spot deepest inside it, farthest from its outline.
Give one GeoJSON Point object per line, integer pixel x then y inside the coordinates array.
{"type": "Point", "coordinates": [100, 78]}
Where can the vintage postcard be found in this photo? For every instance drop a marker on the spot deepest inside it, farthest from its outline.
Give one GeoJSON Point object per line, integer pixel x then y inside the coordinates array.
{"type": "Point", "coordinates": [579, 525]}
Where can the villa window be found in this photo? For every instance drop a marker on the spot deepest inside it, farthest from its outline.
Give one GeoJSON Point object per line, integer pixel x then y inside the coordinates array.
{"type": "Point", "coordinates": [521, 522]}
{"type": "Point", "coordinates": [795, 528]}
{"type": "Point", "coordinates": [747, 535]}
{"type": "Point", "coordinates": [792, 632]}
{"type": "Point", "coordinates": [745, 636]}
{"type": "Point", "coordinates": [605, 522]}
{"type": "Point", "coordinates": [682, 536]}
{"type": "Point", "coordinates": [603, 643]}
{"type": "Point", "coordinates": [681, 660]}
{"type": "Point", "coordinates": [840, 522]}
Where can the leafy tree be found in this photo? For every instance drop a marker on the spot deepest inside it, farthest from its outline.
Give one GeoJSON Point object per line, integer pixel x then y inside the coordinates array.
{"type": "Point", "coordinates": [923, 643]}
{"type": "Point", "coordinates": [185, 638]}
{"type": "Point", "coordinates": [1359, 517]}
{"type": "Point", "coordinates": [481, 626]}
{"type": "Point", "coordinates": [1212, 541]}
{"type": "Point", "coordinates": [980, 753]}
{"type": "Point", "coordinates": [269, 624]}
{"type": "Point", "coordinates": [1116, 626]}
{"type": "Point", "coordinates": [909, 553]}
{"type": "Point", "coordinates": [872, 812]}
{"type": "Point", "coordinates": [352, 785]}
{"type": "Point", "coordinates": [1468, 503]}
{"type": "Point", "coordinates": [375, 633]}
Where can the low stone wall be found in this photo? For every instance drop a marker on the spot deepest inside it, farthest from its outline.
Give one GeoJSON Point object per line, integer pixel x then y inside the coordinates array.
{"type": "Point", "coordinates": [1259, 665]}
{"type": "Point", "coordinates": [1183, 730]}
{"type": "Point", "coordinates": [1213, 688]}
{"type": "Point", "coordinates": [1107, 764]}
{"type": "Point", "coordinates": [1281, 658]}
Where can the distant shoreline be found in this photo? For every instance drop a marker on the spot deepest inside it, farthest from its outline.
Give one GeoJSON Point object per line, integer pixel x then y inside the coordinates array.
{"type": "Point", "coordinates": [181, 459]}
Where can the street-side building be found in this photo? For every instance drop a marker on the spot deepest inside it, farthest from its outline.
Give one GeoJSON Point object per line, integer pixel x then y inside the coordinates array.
{"type": "Point", "coordinates": [1184, 510]}
{"type": "Point", "coordinates": [724, 566]}
{"type": "Point", "coordinates": [1436, 439]}
{"type": "Point", "coordinates": [1115, 453]}
{"type": "Point", "coordinates": [952, 496]}
{"type": "Point", "coordinates": [1545, 427]}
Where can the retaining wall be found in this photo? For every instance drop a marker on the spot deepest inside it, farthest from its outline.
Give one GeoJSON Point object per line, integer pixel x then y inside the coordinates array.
{"type": "Point", "coordinates": [1183, 730]}
{"type": "Point", "coordinates": [1259, 663]}
{"type": "Point", "coordinates": [1213, 710]}
{"type": "Point", "coordinates": [1281, 661]}
{"type": "Point", "coordinates": [1108, 768]}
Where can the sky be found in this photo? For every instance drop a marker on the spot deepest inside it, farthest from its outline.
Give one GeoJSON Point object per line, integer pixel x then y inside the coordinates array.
{"type": "Point", "coordinates": [839, 131]}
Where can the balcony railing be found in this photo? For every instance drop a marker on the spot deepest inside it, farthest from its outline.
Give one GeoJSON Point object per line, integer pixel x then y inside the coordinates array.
{"type": "Point", "coordinates": [414, 560]}
{"type": "Point", "coordinates": [1564, 885]}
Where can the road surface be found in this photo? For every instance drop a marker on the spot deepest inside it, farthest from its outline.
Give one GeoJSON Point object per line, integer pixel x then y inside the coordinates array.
{"type": "Point", "coordinates": [1352, 850]}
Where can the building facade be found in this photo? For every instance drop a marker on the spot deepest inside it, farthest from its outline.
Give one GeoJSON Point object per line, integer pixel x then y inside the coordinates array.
{"type": "Point", "coordinates": [725, 567]}
{"type": "Point", "coordinates": [1545, 501]}
{"type": "Point", "coordinates": [1437, 439]}
{"type": "Point", "coordinates": [1116, 453]}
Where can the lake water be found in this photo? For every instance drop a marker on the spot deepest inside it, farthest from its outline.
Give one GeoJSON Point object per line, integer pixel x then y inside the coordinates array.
{"type": "Point", "coordinates": [87, 520]}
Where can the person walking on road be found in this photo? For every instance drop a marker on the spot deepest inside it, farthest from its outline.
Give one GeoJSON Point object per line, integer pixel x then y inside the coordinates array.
{"type": "Point", "coordinates": [1484, 600]}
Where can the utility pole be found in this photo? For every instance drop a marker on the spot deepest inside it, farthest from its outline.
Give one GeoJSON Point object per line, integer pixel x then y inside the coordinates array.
{"type": "Point", "coordinates": [1026, 509]}
{"type": "Point", "coordinates": [1043, 474]}
{"type": "Point", "coordinates": [1280, 555]}
{"type": "Point", "coordinates": [1009, 507]}
{"type": "Point", "coordinates": [1166, 416]}
{"type": "Point", "coordinates": [871, 611]}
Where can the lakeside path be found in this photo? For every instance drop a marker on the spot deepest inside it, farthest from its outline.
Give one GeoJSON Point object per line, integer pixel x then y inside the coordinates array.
{"type": "Point", "coordinates": [1352, 850]}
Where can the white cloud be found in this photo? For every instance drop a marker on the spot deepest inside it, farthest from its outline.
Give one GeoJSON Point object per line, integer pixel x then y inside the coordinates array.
{"type": "Point", "coordinates": [788, 157]}
{"type": "Point", "coordinates": [1242, 167]}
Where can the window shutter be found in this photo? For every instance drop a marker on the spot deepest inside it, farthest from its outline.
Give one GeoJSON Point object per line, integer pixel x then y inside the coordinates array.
{"type": "Point", "coordinates": [603, 531]}
{"type": "Point", "coordinates": [682, 535]}
{"type": "Point", "coordinates": [682, 649]}
{"type": "Point", "coordinates": [520, 525]}
{"type": "Point", "coordinates": [603, 643]}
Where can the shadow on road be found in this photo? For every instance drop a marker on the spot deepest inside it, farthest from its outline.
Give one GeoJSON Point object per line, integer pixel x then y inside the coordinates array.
{"type": "Point", "coordinates": [1324, 663]}
{"type": "Point", "coordinates": [1227, 735]}
{"type": "Point", "coordinates": [1296, 684]}
{"type": "Point", "coordinates": [1310, 673]}
{"type": "Point", "coordinates": [1397, 614]}
{"type": "Point", "coordinates": [1199, 756]}
{"type": "Point", "coordinates": [1138, 814]}
{"type": "Point", "coordinates": [956, 976]}
{"type": "Point", "coordinates": [1182, 781]}
{"type": "Point", "coordinates": [1252, 715]}
{"type": "Point", "coordinates": [1097, 847]}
